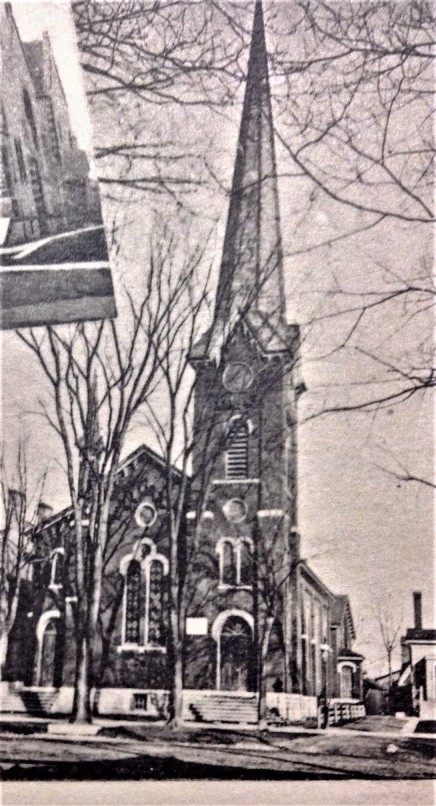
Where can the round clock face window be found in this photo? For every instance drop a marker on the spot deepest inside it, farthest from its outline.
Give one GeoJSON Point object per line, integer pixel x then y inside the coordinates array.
{"type": "Point", "coordinates": [145, 514]}
{"type": "Point", "coordinates": [237, 376]}
{"type": "Point", "coordinates": [235, 510]}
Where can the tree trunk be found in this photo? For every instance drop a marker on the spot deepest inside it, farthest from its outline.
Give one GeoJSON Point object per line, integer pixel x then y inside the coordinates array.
{"type": "Point", "coordinates": [82, 700]}
{"type": "Point", "coordinates": [261, 707]}
{"type": "Point", "coordinates": [175, 701]}
{"type": "Point", "coordinates": [389, 680]}
{"type": "Point", "coordinates": [9, 611]}
{"type": "Point", "coordinates": [4, 641]}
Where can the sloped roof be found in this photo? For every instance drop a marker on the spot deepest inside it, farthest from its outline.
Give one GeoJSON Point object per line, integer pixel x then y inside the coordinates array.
{"type": "Point", "coordinates": [139, 454]}
{"type": "Point", "coordinates": [341, 610]}
{"type": "Point", "coordinates": [419, 634]}
{"type": "Point", "coordinates": [338, 608]}
{"type": "Point", "coordinates": [272, 334]}
{"type": "Point", "coordinates": [349, 653]}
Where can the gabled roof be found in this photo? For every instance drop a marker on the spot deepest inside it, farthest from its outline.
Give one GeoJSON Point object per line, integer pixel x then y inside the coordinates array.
{"type": "Point", "coordinates": [341, 611]}
{"type": "Point", "coordinates": [339, 608]}
{"type": "Point", "coordinates": [340, 603]}
{"type": "Point", "coordinates": [314, 578]}
{"type": "Point", "coordinates": [272, 335]}
{"type": "Point", "coordinates": [142, 453]}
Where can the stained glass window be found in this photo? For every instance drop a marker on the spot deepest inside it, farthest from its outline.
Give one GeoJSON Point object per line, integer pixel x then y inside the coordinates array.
{"type": "Point", "coordinates": [133, 603]}
{"type": "Point", "coordinates": [156, 605]}
{"type": "Point", "coordinates": [145, 597]}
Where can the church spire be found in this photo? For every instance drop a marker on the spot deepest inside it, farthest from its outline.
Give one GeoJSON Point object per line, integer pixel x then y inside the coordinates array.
{"type": "Point", "coordinates": [251, 276]}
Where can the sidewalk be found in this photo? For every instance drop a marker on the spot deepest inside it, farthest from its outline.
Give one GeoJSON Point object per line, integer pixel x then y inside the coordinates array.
{"type": "Point", "coordinates": [33, 725]}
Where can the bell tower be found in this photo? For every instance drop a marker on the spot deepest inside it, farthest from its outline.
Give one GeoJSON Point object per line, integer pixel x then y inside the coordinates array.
{"type": "Point", "coordinates": [244, 511]}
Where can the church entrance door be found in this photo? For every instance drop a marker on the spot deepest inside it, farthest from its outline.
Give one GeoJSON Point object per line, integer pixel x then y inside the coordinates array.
{"type": "Point", "coordinates": [48, 656]}
{"type": "Point", "coordinates": [236, 645]}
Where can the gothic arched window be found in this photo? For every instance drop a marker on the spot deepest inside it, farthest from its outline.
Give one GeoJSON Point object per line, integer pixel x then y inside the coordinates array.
{"type": "Point", "coordinates": [28, 109]}
{"type": "Point", "coordinates": [245, 563]}
{"type": "Point", "coordinates": [144, 596]}
{"type": "Point", "coordinates": [236, 561]}
{"type": "Point", "coordinates": [228, 565]}
{"type": "Point", "coordinates": [57, 568]}
{"type": "Point", "coordinates": [156, 605]}
{"type": "Point", "coordinates": [132, 624]}
{"type": "Point", "coordinates": [237, 449]}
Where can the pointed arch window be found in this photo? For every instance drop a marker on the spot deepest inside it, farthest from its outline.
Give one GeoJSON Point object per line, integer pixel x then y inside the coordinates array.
{"type": "Point", "coordinates": [237, 449]}
{"type": "Point", "coordinates": [57, 569]}
{"type": "Point", "coordinates": [245, 563]}
{"type": "Point", "coordinates": [156, 605]}
{"type": "Point", "coordinates": [144, 602]}
{"type": "Point", "coordinates": [28, 110]}
{"type": "Point", "coordinates": [133, 603]}
{"type": "Point", "coordinates": [228, 569]}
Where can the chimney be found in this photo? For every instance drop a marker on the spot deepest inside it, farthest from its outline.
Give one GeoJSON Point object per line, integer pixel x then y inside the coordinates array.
{"type": "Point", "coordinates": [417, 609]}
{"type": "Point", "coordinates": [43, 512]}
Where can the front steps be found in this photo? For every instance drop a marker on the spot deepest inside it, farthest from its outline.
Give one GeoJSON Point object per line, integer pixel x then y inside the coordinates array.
{"type": "Point", "coordinates": [38, 702]}
{"type": "Point", "coordinates": [199, 706]}
{"type": "Point", "coordinates": [220, 707]}
{"type": "Point", "coordinates": [31, 701]}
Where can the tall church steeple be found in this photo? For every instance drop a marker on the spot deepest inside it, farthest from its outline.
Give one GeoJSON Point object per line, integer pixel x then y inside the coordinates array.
{"type": "Point", "coordinates": [251, 285]}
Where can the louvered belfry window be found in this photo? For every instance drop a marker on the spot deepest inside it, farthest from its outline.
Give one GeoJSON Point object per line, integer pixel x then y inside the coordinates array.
{"type": "Point", "coordinates": [237, 451]}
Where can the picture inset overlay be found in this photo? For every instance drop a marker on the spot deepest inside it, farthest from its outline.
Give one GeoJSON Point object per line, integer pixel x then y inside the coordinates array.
{"type": "Point", "coordinates": [54, 265]}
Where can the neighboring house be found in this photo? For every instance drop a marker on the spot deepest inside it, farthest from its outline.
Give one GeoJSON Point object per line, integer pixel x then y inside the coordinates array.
{"type": "Point", "coordinates": [240, 550]}
{"type": "Point", "coordinates": [45, 188]}
{"type": "Point", "coordinates": [391, 698]}
{"type": "Point", "coordinates": [418, 675]}
{"type": "Point", "coordinates": [375, 697]}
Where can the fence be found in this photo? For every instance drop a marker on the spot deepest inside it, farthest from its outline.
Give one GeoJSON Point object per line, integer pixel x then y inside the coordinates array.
{"type": "Point", "coordinates": [345, 710]}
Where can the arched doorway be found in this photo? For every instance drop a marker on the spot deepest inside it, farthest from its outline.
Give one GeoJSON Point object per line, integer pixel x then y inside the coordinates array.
{"type": "Point", "coordinates": [48, 654]}
{"type": "Point", "coordinates": [49, 657]}
{"type": "Point", "coordinates": [235, 648]}
{"type": "Point", "coordinates": [346, 682]}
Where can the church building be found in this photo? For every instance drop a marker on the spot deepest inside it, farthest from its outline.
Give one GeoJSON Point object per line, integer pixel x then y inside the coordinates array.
{"type": "Point", "coordinates": [253, 608]}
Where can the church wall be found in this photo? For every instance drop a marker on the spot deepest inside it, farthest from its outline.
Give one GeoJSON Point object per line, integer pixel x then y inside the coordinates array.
{"type": "Point", "coordinates": [114, 666]}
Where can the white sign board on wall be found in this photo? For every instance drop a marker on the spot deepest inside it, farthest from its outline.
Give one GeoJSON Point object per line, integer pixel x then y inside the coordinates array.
{"type": "Point", "coordinates": [196, 626]}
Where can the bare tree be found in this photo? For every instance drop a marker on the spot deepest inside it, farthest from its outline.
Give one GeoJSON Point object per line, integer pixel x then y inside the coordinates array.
{"type": "Point", "coordinates": [146, 63]}
{"type": "Point", "coordinates": [100, 375]}
{"type": "Point", "coordinates": [358, 94]}
{"type": "Point", "coordinates": [172, 423]}
{"type": "Point", "coordinates": [352, 83]}
{"type": "Point", "coordinates": [390, 626]}
{"type": "Point", "coordinates": [352, 87]}
{"type": "Point", "coordinates": [19, 516]}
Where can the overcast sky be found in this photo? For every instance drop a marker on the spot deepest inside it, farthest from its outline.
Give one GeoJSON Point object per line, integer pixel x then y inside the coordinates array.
{"type": "Point", "coordinates": [364, 532]}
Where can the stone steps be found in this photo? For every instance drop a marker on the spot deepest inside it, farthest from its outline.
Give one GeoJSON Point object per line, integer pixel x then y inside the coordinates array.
{"type": "Point", "coordinates": [38, 703]}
